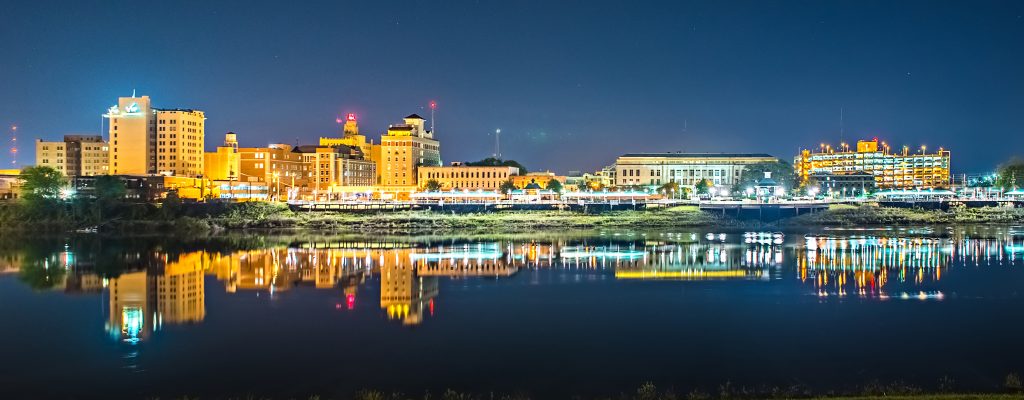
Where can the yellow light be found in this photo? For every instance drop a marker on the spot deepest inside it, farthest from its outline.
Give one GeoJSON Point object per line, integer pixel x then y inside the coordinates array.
{"type": "Point", "coordinates": [688, 274]}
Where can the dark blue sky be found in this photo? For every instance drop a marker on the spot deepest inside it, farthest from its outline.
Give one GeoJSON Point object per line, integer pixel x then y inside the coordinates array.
{"type": "Point", "coordinates": [571, 84]}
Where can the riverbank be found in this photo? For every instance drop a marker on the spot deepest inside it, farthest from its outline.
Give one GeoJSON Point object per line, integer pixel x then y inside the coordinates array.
{"type": "Point", "coordinates": [219, 217]}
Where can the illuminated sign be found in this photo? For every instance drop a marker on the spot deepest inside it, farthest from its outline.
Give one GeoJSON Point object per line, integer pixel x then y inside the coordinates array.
{"type": "Point", "coordinates": [350, 117]}
{"type": "Point", "coordinates": [132, 108]}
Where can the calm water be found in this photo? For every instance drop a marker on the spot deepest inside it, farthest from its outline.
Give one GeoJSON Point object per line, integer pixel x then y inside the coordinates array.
{"type": "Point", "coordinates": [596, 313]}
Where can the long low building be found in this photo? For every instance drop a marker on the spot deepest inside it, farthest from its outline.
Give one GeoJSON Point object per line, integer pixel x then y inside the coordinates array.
{"type": "Point", "coordinates": [685, 169]}
{"type": "Point", "coordinates": [460, 176]}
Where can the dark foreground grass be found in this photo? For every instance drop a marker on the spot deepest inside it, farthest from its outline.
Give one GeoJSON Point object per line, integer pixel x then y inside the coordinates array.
{"type": "Point", "coordinates": [1011, 389]}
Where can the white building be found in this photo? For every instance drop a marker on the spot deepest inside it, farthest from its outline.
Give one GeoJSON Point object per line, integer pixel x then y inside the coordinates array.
{"type": "Point", "coordinates": [686, 169]}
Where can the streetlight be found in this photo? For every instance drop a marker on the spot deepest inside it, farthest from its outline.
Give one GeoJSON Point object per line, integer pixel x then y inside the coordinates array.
{"type": "Point", "coordinates": [277, 188]}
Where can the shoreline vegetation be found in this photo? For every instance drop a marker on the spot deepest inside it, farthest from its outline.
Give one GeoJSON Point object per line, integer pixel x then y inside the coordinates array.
{"type": "Point", "coordinates": [899, 390]}
{"type": "Point", "coordinates": [218, 217]}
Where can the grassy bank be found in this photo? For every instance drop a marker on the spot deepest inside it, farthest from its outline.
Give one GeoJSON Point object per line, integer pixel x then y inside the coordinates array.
{"type": "Point", "coordinates": [841, 214]}
{"type": "Point", "coordinates": [469, 223]}
{"type": "Point", "coordinates": [216, 217]}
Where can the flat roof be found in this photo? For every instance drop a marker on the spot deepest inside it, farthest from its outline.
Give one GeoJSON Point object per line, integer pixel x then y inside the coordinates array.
{"type": "Point", "coordinates": [699, 155]}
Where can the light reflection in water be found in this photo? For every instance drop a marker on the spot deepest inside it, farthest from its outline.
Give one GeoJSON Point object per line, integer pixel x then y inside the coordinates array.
{"type": "Point", "coordinates": [161, 288]}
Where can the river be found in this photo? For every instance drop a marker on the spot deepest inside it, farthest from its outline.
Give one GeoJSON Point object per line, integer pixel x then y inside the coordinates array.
{"type": "Point", "coordinates": [546, 314]}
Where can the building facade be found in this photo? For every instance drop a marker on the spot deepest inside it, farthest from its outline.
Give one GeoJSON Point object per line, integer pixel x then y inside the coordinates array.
{"type": "Point", "coordinates": [225, 163]}
{"type": "Point", "coordinates": [132, 136]}
{"type": "Point", "coordinates": [180, 143]}
{"type": "Point", "coordinates": [329, 168]}
{"type": "Point", "coordinates": [404, 148]}
{"type": "Point", "coordinates": [855, 184]}
{"type": "Point", "coordinates": [278, 165]}
{"type": "Point", "coordinates": [145, 140]}
{"type": "Point", "coordinates": [685, 169]}
{"type": "Point", "coordinates": [460, 176]}
{"type": "Point", "coordinates": [76, 155]}
{"type": "Point", "coordinates": [904, 170]}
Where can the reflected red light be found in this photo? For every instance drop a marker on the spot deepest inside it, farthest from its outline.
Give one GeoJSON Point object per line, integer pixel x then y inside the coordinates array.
{"type": "Point", "coordinates": [350, 300]}
{"type": "Point", "coordinates": [431, 307]}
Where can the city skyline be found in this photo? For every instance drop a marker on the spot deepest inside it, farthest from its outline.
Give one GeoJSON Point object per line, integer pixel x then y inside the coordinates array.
{"type": "Point", "coordinates": [706, 77]}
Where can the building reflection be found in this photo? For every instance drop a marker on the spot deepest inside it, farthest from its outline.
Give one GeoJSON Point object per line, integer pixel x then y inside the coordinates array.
{"type": "Point", "coordinates": [155, 289]}
{"type": "Point", "coordinates": [162, 290]}
{"type": "Point", "coordinates": [910, 265]}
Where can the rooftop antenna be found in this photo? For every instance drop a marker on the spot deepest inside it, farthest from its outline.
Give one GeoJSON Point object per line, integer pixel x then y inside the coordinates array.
{"type": "Point", "coordinates": [433, 106]}
{"type": "Point", "coordinates": [497, 143]}
{"type": "Point", "coordinates": [133, 92]}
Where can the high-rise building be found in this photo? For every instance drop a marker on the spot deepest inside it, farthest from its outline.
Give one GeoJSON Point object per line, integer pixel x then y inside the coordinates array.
{"type": "Point", "coordinates": [903, 170]}
{"type": "Point", "coordinates": [404, 148]}
{"type": "Point", "coordinates": [685, 169]}
{"type": "Point", "coordinates": [76, 155]}
{"type": "Point", "coordinates": [145, 140]}
{"type": "Point", "coordinates": [181, 138]}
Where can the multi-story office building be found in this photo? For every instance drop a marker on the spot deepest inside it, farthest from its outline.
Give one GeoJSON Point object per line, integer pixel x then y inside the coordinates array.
{"type": "Point", "coordinates": [132, 136]}
{"type": "Point", "coordinates": [278, 165]}
{"type": "Point", "coordinates": [685, 169]}
{"type": "Point", "coordinates": [329, 168]}
{"type": "Point", "coordinates": [180, 142]}
{"type": "Point", "coordinates": [404, 148]}
{"type": "Point", "coordinates": [459, 176]}
{"type": "Point", "coordinates": [904, 170]}
{"type": "Point", "coordinates": [352, 138]}
{"type": "Point", "coordinates": [145, 140]}
{"type": "Point", "coordinates": [76, 155]}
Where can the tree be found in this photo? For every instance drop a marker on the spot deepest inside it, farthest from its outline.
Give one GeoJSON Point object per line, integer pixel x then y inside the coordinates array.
{"type": "Point", "coordinates": [782, 173]}
{"type": "Point", "coordinates": [496, 162]}
{"type": "Point", "coordinates": [39, 275]}
{"type": "Point", "coordinates": [1010, 174]}
{"type": "Point", "coordinates": [109, 191]}
{"type": "Point", "coordinates": [703, 186]}
{"type": "Point", "coordinates": [507, 187]}
{"type": "Point", "coordinates": [669, 188]}
{"type": "Point", "coordinates": [41, 183]}
{"type": "Point", "coordinates": [109, 188]}
{"type": "Point", "coordinates": [554, 185]}
{"type": "Point", "coordinates": [171, 206]}
{"type": "Point", "coordinates": [433, 185]}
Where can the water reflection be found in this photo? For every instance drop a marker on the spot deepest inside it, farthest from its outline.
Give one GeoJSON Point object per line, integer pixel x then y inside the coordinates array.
{"type": "Point", "coordinates": [157, 287]}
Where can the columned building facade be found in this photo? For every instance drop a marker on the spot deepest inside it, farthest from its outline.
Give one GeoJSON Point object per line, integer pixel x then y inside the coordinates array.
{"type": "Point", "coordinates": [685, 169]}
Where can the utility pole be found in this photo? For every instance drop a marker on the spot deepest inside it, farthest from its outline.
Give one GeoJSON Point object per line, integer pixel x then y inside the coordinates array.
{"type": "Point", "coordinates": [433, 107]}
{"type": "Point", "coordinates": [497, 143]}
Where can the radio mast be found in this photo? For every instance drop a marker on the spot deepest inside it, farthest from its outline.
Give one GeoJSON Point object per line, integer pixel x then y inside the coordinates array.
{"type": "Point", "coordinates": [14, 146]}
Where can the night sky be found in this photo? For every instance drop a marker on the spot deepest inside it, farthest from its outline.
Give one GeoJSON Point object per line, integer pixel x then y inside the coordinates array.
{"type": "Point", "coordinates": [571, 84]}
